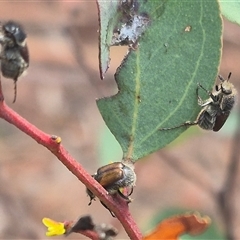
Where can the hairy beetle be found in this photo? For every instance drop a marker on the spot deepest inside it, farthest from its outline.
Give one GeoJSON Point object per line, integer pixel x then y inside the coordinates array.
{"type": "Point", "coordinates": [216, 109]}
{"type": "Point", "coordinates": [14, 54]}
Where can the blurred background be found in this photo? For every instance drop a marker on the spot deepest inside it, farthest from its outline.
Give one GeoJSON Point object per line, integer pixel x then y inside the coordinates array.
{"type": "Point", "coordinates": [58, 96]}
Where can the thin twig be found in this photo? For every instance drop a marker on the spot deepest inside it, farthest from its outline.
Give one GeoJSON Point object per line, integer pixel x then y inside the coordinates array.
{"type": "Point", "coordinates": [116, 204]}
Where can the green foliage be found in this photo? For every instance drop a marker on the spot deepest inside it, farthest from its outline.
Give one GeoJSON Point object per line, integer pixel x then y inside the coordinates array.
{"type": "Point", "coordinates": [231, 10]}
{"type": "Point", "coordinates": [108, 16]}
{"type": "Point", "coordinates": [157, 81]}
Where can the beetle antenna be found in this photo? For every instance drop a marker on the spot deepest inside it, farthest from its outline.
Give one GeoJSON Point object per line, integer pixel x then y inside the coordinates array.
{"type": "Point", "coordinates": [229, 75]}
{"type": "Point", "coordinates": [221, 78]}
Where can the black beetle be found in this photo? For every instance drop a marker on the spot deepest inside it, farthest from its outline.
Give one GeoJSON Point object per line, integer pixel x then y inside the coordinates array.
{"type": "Point", "coordinates": [14, 55]}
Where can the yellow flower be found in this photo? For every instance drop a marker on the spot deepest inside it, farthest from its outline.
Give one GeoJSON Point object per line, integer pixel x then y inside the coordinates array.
{"type": "Point", "coordinates": [54, 228]}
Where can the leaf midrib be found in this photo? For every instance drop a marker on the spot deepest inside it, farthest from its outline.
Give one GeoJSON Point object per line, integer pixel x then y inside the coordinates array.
{"type": "Point", "coordinates": [187, 88]}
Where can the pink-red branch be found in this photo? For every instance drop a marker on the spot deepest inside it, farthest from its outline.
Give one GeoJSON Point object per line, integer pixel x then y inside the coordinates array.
{"type": "Point", "coordinates": [117, 205]}
{"type": "Point", "coordinates": [90, 234]}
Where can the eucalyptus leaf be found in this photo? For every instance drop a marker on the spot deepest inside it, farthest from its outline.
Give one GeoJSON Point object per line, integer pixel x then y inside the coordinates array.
{"type": "Point", "coordinates": [108, 16]}
{"type": "Point", "coordinates": [157, 81]}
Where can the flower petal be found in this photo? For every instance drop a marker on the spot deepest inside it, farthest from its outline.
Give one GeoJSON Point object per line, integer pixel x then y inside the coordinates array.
{"type": "Point", "coordinates": [54, 228]}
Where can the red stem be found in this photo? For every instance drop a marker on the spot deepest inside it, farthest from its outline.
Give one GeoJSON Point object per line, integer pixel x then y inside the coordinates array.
{"type": "Point", "coordinates": [117, 205]}
{"type": "Point", "coordinates": [90, 234]}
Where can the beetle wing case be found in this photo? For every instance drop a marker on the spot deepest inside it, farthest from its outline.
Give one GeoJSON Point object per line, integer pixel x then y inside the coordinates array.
{"type": "Point", "coordinates": [108, 175]}
{"type": "Point", "coordinates": [220, 120]}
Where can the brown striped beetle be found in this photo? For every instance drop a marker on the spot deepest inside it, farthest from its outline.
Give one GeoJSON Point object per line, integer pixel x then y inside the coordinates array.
{"type": "Point", "coordinates": [14, 54]}
{"type": "Point", "coordinates": [114, 177]}
{"type": "Point", "coordinates": [216, 109]}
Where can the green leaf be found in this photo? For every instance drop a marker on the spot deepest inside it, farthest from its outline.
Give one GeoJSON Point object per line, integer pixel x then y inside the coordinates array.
{"type": "Point", "coordinates": [231, 10]}
{"type": "Point", "coordinates": [107, 11]}
{"type": "Point", "coordinates": [157, 81]}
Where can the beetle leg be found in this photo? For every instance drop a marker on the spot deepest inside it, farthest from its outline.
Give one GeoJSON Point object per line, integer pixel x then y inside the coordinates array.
{"type": "Point", "coordinates": [92, 198]}
{"type": "Point", "coordinates": [108, 209]}
{"type": "Point", "coordinates": [131, 192]}
{"type": "Point", "coordinates": [200, 101]}
{"type": "Point", "coordinates": [186, 124]}
{"type": "Point", "coordinates": [15, 90]}
{"type": "Point", "coordinates": [210, 94]}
